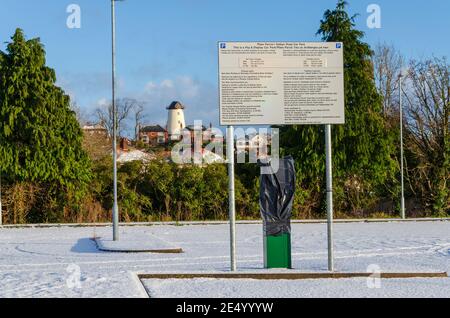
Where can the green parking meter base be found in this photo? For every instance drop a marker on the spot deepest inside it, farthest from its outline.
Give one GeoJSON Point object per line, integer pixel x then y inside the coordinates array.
{"type": "Point", "coordinates": [277, 251]}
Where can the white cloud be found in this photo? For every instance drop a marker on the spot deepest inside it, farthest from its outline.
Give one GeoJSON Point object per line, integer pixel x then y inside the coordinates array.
{"type": "Point", "coordinates": [199, 98]}
{"type": "Point", "coordinates": [150, 86]}
{"type": "Point", "coordinates": [167, 84]}
{"type": "Point", "coordinates": [92, 91]}
{"type": "Point", "coordinates": [102, 102]}
{"type": "Point", "coordinates": [86, 83]}
{"type": "Point", "coordinates": [181, 86]}
{"type": "Point", "coordinates": [87, 88]}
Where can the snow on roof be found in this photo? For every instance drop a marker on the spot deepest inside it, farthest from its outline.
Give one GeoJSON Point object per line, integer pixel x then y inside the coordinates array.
{"type": "Point", "coordinates": [93, 127]}
{"type": "Point", "coordinates": [207, 157]}
{"type": "Point", "coordinates": [211, 157]}
{"type": "Point", "coordinates": [134, 155]}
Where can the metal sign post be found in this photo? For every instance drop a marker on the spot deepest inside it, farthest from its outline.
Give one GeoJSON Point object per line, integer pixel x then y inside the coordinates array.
{"type": "Point", "coordinates": [1, 214]}
{"type": "Point", "coordinates": [114, 114]}
{"type": "Point", "coordinates": [231, 204]}
{"type": "Point", "coordinates": [402, 202]}
{"type": "Point", "coordinates": [329, 174]}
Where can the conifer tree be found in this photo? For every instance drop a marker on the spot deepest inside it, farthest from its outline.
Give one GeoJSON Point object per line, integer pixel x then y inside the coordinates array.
{"type": "Point", "coordinates": [40, 138]}
{"type": "Point", "coordinates": [363, 148]}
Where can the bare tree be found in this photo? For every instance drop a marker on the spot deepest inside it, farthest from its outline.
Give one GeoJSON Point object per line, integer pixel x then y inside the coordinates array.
{"type": "Point", "coordinates": [79, 112]}
{"type": "Point", "coordinates": [388, 63]}
{"type": "Point", "coordinates": [428, 141]}
{"type": "Point", "coordinates": [124, 107]}
{"type": "Point", "coordinates": [138, 117]}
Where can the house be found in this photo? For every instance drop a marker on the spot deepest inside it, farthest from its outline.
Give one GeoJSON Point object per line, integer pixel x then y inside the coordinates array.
{"type": "Point", "coordinates": [209, 135]}
{"type": "Point", "coordinates": [259, 141]}
{"type": "Point", "coordinates": [96, 141]}
{"type": "Point", "coordinates": [198, 131]}
{"type": "Point", "coordinates": [154, 135]}
{"type": "Point", "coordinates": [95, 129]}
{"type": "Point", "coordinates": [258, 144]}
{"type": "Point", "coordinates": [242, 144]}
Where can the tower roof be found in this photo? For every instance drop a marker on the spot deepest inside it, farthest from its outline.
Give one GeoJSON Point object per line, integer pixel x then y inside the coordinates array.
{"type": "Point", "coordinates": [176, 105]}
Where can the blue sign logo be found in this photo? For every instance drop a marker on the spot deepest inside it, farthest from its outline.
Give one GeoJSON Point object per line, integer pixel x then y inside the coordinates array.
{"type": "Point", "coordinates": [223, 45]}
{"type": "Point", "coordinates": [338, 45]}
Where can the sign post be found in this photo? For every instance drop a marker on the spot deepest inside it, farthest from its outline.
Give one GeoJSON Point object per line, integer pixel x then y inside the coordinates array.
{"type": "Point", "coordinates": [281, 83]}
{"type": "Point", "coordinates": [402, 200]}
{"type": "Point", "coordinates": [1, 214]}
{"type": "Point", "coordinates": [231, 199]}
{"type": "Point", "coordinates": [115, 212]}
{"type": "Point", "coordinates": [329, 173]}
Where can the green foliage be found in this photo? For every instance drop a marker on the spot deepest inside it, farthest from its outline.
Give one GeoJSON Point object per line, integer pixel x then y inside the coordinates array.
{"type": "Point", "coordinates": [44, 168]}
{"type": "Point", "coordinates": [160, 191]}
{"type": "Point", "coordinates": [192, 192]}
{"type": "Point", "coordinates": [40, 138]}
{"type": "Point", "coordinates": [133, 203]}
{"type": "Point", "coordinates": [363, 148]}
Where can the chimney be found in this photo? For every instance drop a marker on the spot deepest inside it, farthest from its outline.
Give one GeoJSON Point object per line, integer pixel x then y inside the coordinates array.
{"type": "Point", "coordinates": [124, 144]}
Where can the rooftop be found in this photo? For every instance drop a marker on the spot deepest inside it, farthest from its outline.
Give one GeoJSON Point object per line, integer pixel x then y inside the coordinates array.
{"type": "Point", "coordinates": [90, 126]}
{"type": "Point", "coordinates": [175, 105]}
{"type": "Point", "coordinates": [156, 128]}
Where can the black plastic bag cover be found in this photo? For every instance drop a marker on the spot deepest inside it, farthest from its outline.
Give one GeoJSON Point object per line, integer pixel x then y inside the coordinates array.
{"type": "Point", "coordinates": [276, 196]}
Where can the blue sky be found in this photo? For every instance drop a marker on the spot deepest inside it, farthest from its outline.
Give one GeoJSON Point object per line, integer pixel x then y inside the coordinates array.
{"type": "Point", "coordinates": [166, 50]}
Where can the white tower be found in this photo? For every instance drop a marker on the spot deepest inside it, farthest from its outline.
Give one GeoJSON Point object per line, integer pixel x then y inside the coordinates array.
{"type": "Point", "coordinates": [175, 121]}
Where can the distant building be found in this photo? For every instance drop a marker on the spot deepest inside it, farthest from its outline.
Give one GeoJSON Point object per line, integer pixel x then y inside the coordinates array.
{"type": "Point", "coordinates": [242, 144]}
{"type": "Point", "coordinates": [95, 129]}
{"type": "Point", "coordinates": [96, 141]}
{"type": "Point", "coordinates": [193, 130]}
{"type": "Point", "coordinates": [258, 144]}
{"type": "Point", "coordinates": [259, 141]}
{"type": "Point", "coordinates": [175, 122]}
{"type": "Point", "coordinates": [126, 153]}
{"type": "Point", "coordinates": [208, 134]}
{"type": "Point", "coordinates": [154, 135]}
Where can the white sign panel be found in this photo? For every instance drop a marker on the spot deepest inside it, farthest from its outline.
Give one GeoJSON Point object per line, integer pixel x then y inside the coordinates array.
{"type": "Point", "coordinates": [270, 83]}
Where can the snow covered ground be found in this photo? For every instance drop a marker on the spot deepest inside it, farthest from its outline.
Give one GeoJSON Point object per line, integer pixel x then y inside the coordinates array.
{"type": "Point", "coordinates": [65, 261]}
